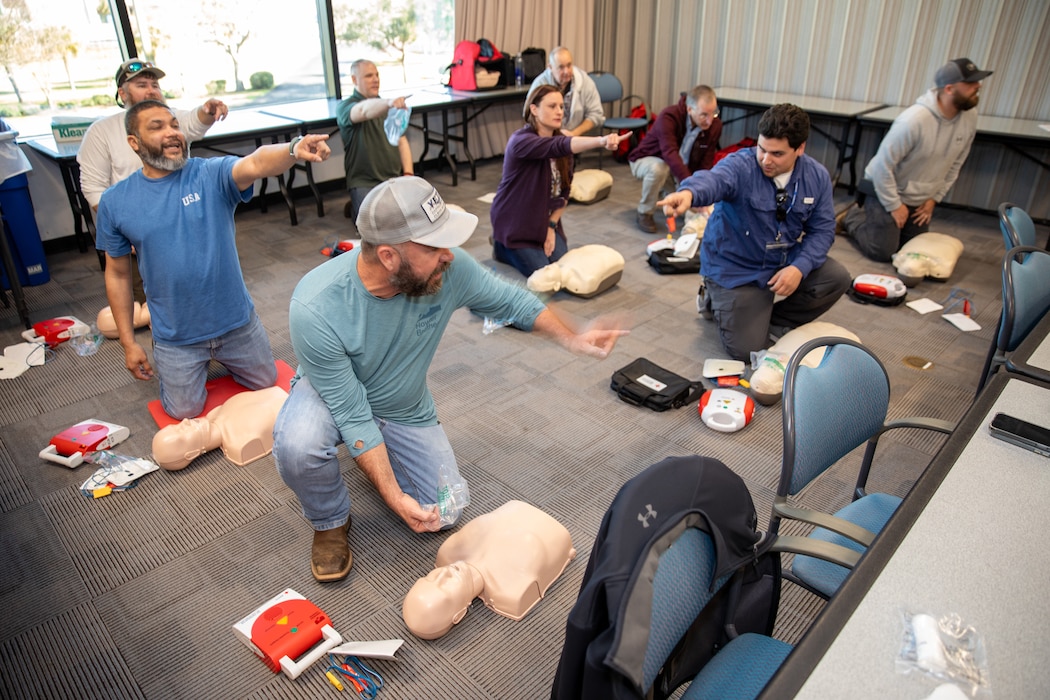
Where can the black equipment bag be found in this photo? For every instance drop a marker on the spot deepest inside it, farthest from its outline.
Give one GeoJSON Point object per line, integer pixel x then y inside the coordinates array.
{"type": "Point", "coordinates": [644, 383]}
{"type": "Point", "coordinates": [667, 263]}
{"type": "Point", "coordinates": [605, 636]}
{"type": "Point", "coordinates": [493, 60]}
{"type": "Point", "coordinates": [533, 62]}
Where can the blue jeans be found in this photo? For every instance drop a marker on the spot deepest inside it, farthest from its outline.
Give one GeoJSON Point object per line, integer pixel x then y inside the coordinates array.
{"type": "Point", "coordinates": [528, 260]}
{"type": "Point", "coordinates": [306, 444]}
{"type": "Point", "coordinates": [183, 369]}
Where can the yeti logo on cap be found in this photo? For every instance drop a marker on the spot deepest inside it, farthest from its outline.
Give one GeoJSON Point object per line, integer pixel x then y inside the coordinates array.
{"type": "Point", "coordinates": [434, 206]}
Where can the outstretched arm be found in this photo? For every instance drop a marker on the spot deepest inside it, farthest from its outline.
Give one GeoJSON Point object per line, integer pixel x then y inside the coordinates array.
{"type": "Point", "coordinates": [214, 110]}
{"type": "Point", "coordinates": [269, 161]}
{"type": "Point", "coordinates": [587, 143]}
{"type": "Point", "coordinates": [597, 340]}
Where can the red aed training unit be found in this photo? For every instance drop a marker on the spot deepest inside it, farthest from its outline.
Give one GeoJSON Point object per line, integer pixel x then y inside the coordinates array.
{"type": "Point", "coordinates": [285, 628]}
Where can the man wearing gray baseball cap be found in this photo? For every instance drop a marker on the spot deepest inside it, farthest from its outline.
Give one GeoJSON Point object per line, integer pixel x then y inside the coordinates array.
{"type": "Point", "coordinates": [916, 164]}
{"type": "Point", "coordinates": [365, 326]}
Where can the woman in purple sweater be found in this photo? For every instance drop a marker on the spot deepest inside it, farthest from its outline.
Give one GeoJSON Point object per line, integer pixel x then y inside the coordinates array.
{"type": "Point", "coordinates": [534, 191]}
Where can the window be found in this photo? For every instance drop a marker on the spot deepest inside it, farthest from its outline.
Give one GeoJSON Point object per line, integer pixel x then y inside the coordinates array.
{"type": "Point", "coordinates": [60, 56]}
{"type": "Point", "coordinates": [410, 42]}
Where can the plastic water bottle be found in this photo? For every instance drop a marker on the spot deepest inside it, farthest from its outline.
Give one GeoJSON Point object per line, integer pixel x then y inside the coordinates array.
{"type": "Point", "coordinates": [519, 71]}
{"type": "Point", "coordinates": [453, 496]}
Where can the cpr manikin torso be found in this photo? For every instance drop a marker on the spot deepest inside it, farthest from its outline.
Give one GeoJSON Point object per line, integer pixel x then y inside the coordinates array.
{"type": "Point", "coordinates": [242, 427]}
{"type": "Point", "coordinates": [508, 558]}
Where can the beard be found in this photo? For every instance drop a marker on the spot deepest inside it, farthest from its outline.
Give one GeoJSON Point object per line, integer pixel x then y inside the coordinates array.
{"type": "Point", "coordinates": [964, 104]}
{"type": "Point", "coordinates": [155, 158]}
{"type": "Point", "coordinates": [407, 282]}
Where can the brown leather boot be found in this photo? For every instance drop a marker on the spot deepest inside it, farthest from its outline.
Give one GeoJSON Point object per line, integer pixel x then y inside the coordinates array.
{"type": "Point", "coordinates": [330, 557]}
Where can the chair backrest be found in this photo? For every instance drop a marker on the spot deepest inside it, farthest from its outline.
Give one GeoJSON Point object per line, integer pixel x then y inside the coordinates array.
{"type": "Point", "coordinates": [682, 587]}
{"type": "Point", "coordinates": [612, 648]}
{"type": "Point", "coordinates": [610, 89]}
{"type": "Point", "coordinates": [1026, 294]}
{"type": "Point", "coordinates": [829, 409]}
{"type": "Point", "coordinates": [1017, 227]}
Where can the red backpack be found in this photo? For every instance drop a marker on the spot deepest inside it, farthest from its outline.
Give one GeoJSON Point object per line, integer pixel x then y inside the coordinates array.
{"type": "Point", "coordinates": [462, 68]}
{"type": "Point", "coordinates": [639, 111]}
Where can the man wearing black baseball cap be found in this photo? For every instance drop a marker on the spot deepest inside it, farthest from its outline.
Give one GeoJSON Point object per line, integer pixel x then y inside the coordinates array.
{"type": "Point", "coordinates": [917, 163]}
{"type": "Point", "coordinates": [365, 327]}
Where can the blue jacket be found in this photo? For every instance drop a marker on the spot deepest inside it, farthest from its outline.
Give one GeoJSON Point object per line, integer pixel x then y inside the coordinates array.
{"type": "Point", "coordinates": [734, 250]}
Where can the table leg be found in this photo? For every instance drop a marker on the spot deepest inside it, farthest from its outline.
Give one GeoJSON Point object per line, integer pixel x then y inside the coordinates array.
{"type": "Point", "coordinates": [466, 147]}
{"type": "Point", "coordinates": [12, 276]}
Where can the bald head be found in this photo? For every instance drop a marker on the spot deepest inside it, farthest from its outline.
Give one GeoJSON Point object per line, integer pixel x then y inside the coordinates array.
{"type": "Point", "coordinates": [561, 65]}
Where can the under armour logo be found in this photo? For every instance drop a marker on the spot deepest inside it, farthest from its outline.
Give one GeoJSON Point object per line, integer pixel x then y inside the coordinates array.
{"type": "Point", "coordinates": [644, 519]}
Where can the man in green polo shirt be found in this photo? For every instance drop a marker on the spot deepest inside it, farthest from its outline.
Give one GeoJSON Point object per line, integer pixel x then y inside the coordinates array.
{"type": "Point", "coordinates": [368, 157]}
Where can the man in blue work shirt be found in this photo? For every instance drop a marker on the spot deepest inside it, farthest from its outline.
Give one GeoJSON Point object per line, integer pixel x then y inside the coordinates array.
{"type": "Point", "coordinates": [764, 252]}
{"type": "Point", "coordinates": [365, 327]}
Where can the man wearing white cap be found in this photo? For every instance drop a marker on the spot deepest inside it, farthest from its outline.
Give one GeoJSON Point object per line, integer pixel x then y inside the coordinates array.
{"type": "Point", "coordinates": [917, 163]}
{"type": "Point", "coordinates": [365, 327]}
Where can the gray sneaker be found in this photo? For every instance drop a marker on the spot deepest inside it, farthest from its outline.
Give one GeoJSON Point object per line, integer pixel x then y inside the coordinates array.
{"type": "Point", "coordinates": [645, 222]}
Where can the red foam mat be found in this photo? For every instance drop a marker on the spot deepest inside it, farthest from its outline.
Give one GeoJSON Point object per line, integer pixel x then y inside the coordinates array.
{"type": "Point", "coordinates": [219, 390]}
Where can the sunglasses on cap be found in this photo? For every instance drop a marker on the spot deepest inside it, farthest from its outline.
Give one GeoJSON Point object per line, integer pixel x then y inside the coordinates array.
{"type": "Point", "coordinates": [131, 68]}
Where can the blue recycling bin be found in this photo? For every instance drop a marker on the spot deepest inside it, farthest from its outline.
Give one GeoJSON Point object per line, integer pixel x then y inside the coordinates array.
{"type": "Point", "coordinates": [23, 236]}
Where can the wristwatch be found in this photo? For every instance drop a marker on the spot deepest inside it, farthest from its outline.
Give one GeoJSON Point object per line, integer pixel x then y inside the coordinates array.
{"type": "Point", "coordinates": [292, 144]}
{"type": "Point", "coordinates": [553, 225]}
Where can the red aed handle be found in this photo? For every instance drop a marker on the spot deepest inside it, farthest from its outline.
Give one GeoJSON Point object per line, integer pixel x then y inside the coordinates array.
{"type": "Point", "coordinates": [875, 290]}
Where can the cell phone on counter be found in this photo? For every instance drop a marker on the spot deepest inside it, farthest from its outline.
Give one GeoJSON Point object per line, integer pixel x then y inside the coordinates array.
{"type": "Point", "coordinates": [1021, 433]}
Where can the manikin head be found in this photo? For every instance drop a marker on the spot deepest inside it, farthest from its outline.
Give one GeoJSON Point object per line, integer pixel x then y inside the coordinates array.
{"type": "Point", "coordinates": [175, 446]}
{"type": "Point", "coordinates": [441, 599]}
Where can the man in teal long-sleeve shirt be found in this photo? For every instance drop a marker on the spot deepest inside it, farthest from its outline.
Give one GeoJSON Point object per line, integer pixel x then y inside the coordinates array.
{"type": "Point", "coordinates": [365, 327]}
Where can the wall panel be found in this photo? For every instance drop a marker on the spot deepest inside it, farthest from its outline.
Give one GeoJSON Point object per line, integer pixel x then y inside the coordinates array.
{"type": "Point", "coordinates": [873, 50]}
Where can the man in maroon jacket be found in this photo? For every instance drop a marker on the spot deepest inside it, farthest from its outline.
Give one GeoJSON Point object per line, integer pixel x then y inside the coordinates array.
{"type": "Point", "coordinates": [682, 140]}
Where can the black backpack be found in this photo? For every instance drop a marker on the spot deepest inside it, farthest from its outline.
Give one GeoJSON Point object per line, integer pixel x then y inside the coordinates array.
{"type": "Point", "coordinates": [533, 62]}
{"type": "Point", "coordinates": [605, 637]}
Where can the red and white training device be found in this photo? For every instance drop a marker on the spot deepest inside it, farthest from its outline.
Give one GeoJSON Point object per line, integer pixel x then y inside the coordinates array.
{"type": "Point", "coordinates": [285, 628]}
{"type": "Point", "coordinates": [884, 290]}
{"type": "Point", "coordinates": [726, 410]}
{"type": "Point", "coordinates": [69, 447]}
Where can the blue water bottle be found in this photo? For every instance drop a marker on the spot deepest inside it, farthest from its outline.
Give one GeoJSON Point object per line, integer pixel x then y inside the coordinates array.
{"type": "Point", "coordinates": [519, 71]}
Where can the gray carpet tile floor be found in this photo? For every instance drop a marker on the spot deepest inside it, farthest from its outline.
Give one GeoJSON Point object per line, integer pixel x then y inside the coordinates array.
{"type": "Point", "coordinates": [134, 595]}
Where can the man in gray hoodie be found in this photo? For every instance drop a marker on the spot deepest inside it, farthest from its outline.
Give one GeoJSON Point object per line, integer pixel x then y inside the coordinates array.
{"type": "Point", "coordinates": [917, 163]}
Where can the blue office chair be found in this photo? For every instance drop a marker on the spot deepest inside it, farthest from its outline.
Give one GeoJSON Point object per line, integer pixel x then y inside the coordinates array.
{"type": "Point", "coordinates": [682, 587]}
{"type": "Point", "coordinates": [610, 91]}
{"type": "Point", "coordinates": [1017, 227]}
{"type": "Point", "coordinates": [1026, 299]}
{"type": "Point", "coordinates": [829, 410]}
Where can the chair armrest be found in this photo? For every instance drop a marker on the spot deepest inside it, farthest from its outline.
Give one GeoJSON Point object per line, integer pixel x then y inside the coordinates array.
{"type": "Point", "coordinates": [827, 551]}
{"type": "Point", "coordinates": [627, 101]}
{"type": "Point", "coordinates": [825, 520]}
{"type": "Point", "coordinates": [936, 424]}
